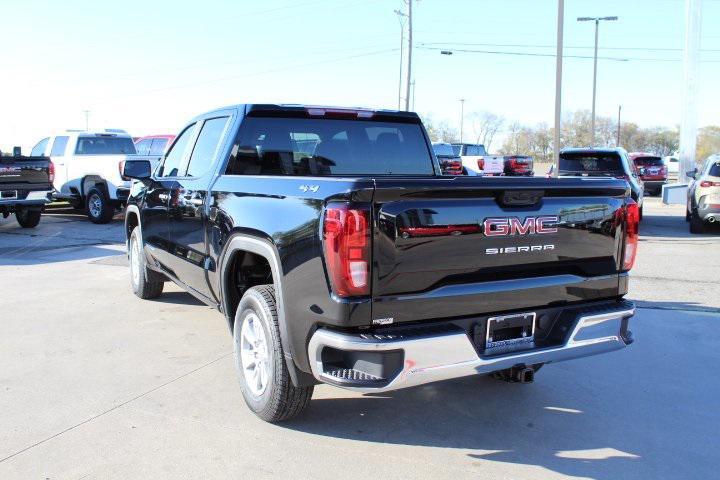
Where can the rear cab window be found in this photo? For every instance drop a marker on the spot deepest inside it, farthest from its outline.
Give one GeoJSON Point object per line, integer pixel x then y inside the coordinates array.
{"type": "Point", "coordinates": [330, 147]}
{"type": "Point", "coordinates": [591, 164]}
{"type": "Point", "coordinates": [104, 145]}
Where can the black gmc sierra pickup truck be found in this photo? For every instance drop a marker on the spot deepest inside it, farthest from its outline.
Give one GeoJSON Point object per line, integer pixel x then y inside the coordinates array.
{"type": "Point", "coordinates": [25, 186]}
{"type": "Point", "coordinates": [340, 254]}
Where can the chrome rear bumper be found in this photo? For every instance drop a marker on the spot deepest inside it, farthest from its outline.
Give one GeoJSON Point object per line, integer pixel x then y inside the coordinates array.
{"type": "Point", "coordinates": [446, 355]}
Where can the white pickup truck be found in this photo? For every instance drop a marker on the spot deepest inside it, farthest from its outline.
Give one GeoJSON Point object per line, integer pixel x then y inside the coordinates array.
{"type": "Point", "coordinates": [476, 161]}
{"type": "Point", "coordinates": [88, 169]}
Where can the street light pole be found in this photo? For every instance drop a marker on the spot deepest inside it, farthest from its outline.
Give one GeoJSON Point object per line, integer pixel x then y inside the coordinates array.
{"type": "Point", "coordinates": [595, 58]}
{"type": "Point", "coordinates": [558, 84]}
{"type": "Point", "coordinates": [87, 119]}
{"type": "Point", "coordinates": [462, 118]}
{"type": "Point", "coordinates": [617, 144]}
{"type": "Point", "coordinates": [410, 47]}
{"type": "Point", "coordinates": [401, 16]}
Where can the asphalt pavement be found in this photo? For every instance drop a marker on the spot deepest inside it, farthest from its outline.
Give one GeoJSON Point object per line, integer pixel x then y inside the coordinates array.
{"type": "Point", "coordinates": [95, 383]}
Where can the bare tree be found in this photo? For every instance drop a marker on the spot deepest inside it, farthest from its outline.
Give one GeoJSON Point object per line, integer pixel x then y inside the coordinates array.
{"type": "Point", "coordinates": [485, 126]}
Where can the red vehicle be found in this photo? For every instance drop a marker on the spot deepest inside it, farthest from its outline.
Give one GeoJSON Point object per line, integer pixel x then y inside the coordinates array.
{"type": "Point", "coordinates": [653, 171]}
{"type": "Point", "coordinates": [153, 144]}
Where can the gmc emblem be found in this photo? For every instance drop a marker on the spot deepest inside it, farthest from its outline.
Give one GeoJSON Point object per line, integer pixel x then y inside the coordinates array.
{"type": "Point", "coordinates": [504, 227]}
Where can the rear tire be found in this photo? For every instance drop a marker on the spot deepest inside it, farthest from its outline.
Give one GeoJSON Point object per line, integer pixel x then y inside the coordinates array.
{"type": "Point", "coordinates": [28, 218]}
{"type": "Point", "coordinates": [696, 223]}
{"type": "Point", "coordinates": [146, 284]}
{"type": "Point", "coordinates": [259, 360]}
{"type": "Point", "coordinates": [99, 207]}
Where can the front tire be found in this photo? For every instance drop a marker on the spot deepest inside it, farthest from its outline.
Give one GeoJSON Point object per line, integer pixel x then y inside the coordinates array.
{"type": "Point", "coordinates": [146, 284]}
{"type": "Point", "coordinates": [99, 207]}
{"type": "Point", "coordinates": [263, 375]}
{"type": "Point", "coordinates": [28, 218]}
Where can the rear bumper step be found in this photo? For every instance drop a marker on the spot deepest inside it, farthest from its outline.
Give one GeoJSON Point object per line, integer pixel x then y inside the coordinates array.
{"type": "Point", "coordinates": [450, 354]}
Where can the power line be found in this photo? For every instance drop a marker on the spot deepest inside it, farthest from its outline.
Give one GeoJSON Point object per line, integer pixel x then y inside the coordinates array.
{"type": "Point", "coordinates": [531, 54]}
{"type": "Point", "coordinates": [519, 45]}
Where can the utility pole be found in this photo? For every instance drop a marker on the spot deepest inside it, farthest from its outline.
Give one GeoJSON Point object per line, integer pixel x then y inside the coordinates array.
{"type": "Point", "coordinates": [401, 17]}
{"type": "Point", "coordinates": [410, 48]}
{"type": "Point", "coordinates": [597, 24]}
{"type": "Point", "coordinates": [689, 117]}
{"type": "Point", "coordinates": [413, 95]}
{"type": "Point", "coordinates": [462, 117]}
{"type": "Point", "coordinates": [558, 84]}
{"type": "Point", "coordinates": [617, 144]}
{"type": "Point", "coordinates": [87, 119]}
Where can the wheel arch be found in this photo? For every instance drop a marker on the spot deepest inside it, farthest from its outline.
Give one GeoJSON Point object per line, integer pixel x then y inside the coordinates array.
{"type": "Point", "coordinates": [90, 181]}
{"type": "Point", "coordinates": [238, 245]}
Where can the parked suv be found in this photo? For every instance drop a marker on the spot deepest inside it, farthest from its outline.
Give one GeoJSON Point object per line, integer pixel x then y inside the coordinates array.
{"type": "Point", "coordinates": [339, 253]}
{"type": "Point", "coordinates": [602, 162]}
{"type": "Point", "coordinates": [653, 171]}
{"type": "Point", "coordinates": [703, 205]}
{"type": "Point", "coordinates": [88, 169]}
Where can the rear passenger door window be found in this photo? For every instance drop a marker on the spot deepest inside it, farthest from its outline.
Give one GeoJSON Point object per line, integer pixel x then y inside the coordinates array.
{"type": "Point", "coordinates": [206, 146]}
{"type": "Point", "coordinates": [171, 165]}
{"type": "Point", "coordinates": [59, 146]}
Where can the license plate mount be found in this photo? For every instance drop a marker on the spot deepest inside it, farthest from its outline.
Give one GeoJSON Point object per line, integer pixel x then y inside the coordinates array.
{"type": "Point", "coordinates": [9, 195]}
{"type": "Point", "coordinates": [510, 333]}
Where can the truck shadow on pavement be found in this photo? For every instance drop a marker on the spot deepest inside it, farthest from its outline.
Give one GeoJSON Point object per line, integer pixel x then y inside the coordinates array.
{"type": "Point", "coordinates": [496, 421]}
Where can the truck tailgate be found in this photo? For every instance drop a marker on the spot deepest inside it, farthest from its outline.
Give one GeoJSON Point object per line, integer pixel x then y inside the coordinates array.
{"type": "Point", "coordinates": [451, 247]}
{"type": "Point", "coordinates": [24, 172]}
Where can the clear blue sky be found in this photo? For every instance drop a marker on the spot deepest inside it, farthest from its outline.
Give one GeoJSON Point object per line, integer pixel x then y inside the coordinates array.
{"type": "Point", "coordinates": [147, 66]}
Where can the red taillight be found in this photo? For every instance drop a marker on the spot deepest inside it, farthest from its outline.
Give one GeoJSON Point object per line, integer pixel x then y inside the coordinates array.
{"type": "Point", "coordinates": [481, 164]}
{"type": "Point", "coordinates": [346, 237]}
{"type": "Point", "coordinates": [51, 172]}
{"type": "Point", "coordinates": [632, 231]}
{"type": "Point", "coordinates": [706, 184]}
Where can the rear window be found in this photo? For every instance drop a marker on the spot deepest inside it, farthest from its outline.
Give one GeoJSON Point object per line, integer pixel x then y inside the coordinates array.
{"type": "Point", "coordinates": [649, 161]}
{"type": "Point", "coordinates": [475, 150]}
{"type": "Point", "coordinates": [714, 170]}
{"type": "Point", "coordinates": [317, 147]}
{"type": "Point", "coordinates": [101, 145]}
{"type": "Point", "coordinates": [444, 150]}
{"type": "Point", "coordinates": [591, 163]}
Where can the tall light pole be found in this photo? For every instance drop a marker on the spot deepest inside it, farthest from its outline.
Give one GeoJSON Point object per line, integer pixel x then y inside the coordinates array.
{"type": "Point", "coordinates": [617, 144]}
{"type": "Point", "coordinates": [462, 117]}
{"type": "Point", "coordinates": [410, 48]}
{"type": "Point", "coordinates": [401, 19]}
{"type": "Point", "coordinates": [597, 24]}
{"type": "Point", "coordinates": [87, 119]}
{"type": "Point", "coordinates": [558, 84]}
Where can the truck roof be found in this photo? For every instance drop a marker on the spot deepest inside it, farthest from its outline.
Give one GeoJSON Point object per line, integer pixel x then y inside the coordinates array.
{"type": "Point", "coordinates": [305, 110]}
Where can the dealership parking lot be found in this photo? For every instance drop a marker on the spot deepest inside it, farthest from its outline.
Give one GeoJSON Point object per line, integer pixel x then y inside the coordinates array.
{"type": "Point", "coordinates": [96, 383]}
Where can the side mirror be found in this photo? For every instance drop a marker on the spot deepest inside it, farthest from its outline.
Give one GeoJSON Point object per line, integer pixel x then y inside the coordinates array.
{"type": "Point", "coordinates": [550, 171]}
{"type": "Point", "coordinates": [137, 169]}
{"type": "Point", "coordinates": [692, 174]}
